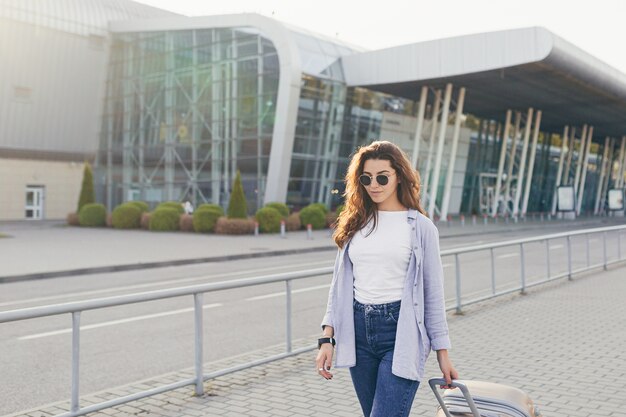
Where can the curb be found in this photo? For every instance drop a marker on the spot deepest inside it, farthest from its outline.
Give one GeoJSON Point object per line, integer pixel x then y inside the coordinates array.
{"type": "Point", "coordinates": [149, 265]}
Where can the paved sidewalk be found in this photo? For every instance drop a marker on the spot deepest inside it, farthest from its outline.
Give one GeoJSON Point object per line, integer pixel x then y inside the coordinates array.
{"type": "Point", "coordinates": [47, 249]}
{"type": "Point", "coordinates": [563, 343]}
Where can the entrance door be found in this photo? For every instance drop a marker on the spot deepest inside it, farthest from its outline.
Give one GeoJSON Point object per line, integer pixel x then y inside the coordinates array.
{"type": "Point", "coordinates": [34, 202]}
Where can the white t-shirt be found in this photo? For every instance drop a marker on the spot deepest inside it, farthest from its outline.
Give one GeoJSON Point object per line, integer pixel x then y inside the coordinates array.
{"type": "Point", "coordinates": [381, 260]}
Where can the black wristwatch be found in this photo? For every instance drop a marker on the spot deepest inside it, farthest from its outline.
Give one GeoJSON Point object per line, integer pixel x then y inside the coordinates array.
{"type": "Point", "coordinates": [323, 340]}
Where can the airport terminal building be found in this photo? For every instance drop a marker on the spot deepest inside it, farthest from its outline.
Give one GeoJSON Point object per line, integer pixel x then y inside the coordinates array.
{"type": "Point", "coordinates": [167, 107]}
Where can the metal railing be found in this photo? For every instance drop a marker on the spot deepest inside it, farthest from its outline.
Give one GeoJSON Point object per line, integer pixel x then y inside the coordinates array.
{"type": "Point", "coordinates": [523, 285]}
{"type": "Point", "coordinates": [197, 291]}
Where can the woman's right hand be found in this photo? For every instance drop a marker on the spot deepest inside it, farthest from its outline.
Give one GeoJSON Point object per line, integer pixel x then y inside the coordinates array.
{"type": "Point", "coordinates": [324, 360]}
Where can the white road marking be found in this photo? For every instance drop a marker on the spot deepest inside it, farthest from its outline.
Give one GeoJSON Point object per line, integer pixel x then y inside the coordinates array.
{"type": "Point", "coordinates": [116, 322]}
{"type": "Point", "coordinates": [446, 265]}
{"type": "Point", "coordinates": [281, 294]}
{"type": "Point", "coordinates": [154, 284]}
{"type": "Point", "coordinates": [553, 247]}
{"type": "Point", "coordinates": [508, 255]}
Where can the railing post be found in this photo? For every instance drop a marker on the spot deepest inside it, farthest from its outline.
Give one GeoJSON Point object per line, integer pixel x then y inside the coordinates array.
{"type": "Point", "coordinates": [493, 274]}
{"type": "Point", "coordinates": [569, 258]}
{"type": "Point", "coordinates": [75, 405]}
{"type": "Point", "coordinates": [457, 267]}
{"type": "Point", "coordinates": [604, 249]}
{"type": "Point", "coordinates": [548, 256]}
{"type": "Point", "coordinates": [288, 303]}
{"type": "Point", "coordinates": [523, 283]}
{"type": "Point", "coordinates": [198, 324]}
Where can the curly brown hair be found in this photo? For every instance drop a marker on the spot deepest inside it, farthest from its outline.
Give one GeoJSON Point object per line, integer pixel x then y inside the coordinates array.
{"type": "Point", "coordinates": [359, 208]}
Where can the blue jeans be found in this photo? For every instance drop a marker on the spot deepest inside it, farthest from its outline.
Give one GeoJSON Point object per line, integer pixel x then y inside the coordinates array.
{"type": "Point", "coordinates": [380, 393]}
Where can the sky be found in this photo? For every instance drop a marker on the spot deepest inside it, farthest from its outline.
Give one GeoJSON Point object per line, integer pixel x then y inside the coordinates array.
{"type": "Point", "coordinates": [596, 26]}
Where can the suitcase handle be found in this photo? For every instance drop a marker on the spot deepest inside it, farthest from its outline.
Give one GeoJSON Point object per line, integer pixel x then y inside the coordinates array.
{"type": "Point", "coordinates": [433, 382]}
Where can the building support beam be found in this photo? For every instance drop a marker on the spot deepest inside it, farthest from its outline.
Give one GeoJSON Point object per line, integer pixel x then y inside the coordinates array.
{"type": "Point", "coordinates": [505, 139]}
{"type": "Point", "coordinates": [431, 146]}
{"type": "Point", "coordinates": [579, 162]}
{"type": "Point", "coordinates": [442, 137]}
{"type": "Point", "coordinates": [531, 162]}
{"type": "Point", "coordinates": [570, 153]}
{"type": "Point", "coordinates": [509, 176]}
{"type": "Point", "coordinates": [445, 204]}
{"type": "Point", "coordinates": [559, 173]}
{"type": "Point", "coordinates": [607, 177]}
{"type": "Point", "coordinates": [522, 162]}
{"type": "Point", "coordinates": [596, 208]}
{"type": "Point", "coordinates": [621, 163]}
{"type": "Point", "coordinates": [583, 177]}
{"type": "Point", "coordinates": [419, 127]}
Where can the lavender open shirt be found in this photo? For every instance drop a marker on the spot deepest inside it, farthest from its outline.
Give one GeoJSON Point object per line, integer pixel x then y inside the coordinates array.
{"type": "Point", "coordinates": [422, 321]}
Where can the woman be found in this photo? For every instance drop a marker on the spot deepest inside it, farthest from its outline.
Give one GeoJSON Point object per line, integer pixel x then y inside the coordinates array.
{"type": "Point", "coordinates": [385, 306]}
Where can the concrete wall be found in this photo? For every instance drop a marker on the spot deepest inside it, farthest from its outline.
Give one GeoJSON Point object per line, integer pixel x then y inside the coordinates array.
{"type": "Point", "coordinates": [400, 129]}
{"type": "Point", "coordinates": [51, 88]}
{"type": "Point", "coordinates": [61, 182]}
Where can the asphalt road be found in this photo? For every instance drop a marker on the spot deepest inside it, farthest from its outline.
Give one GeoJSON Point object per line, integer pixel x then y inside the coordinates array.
{"type": "Point", "coordinates": [130, 343]}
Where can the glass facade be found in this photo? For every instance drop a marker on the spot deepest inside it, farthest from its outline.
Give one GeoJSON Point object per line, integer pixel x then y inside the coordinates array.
{"type": "Point", "coordinates": [184, 111]}
{"type": "Point", "coordinates": [483, 159]}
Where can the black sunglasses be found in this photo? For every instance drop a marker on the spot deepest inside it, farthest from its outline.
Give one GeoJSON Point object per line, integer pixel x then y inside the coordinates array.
{"type": "Point", "coordinates": [380, 179]}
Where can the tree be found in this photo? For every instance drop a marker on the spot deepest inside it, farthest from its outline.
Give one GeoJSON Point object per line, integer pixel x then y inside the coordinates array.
{"type": "Point", "coordinates": [86, 191]}
{"type": "Point", "coordinates": [237, 206]}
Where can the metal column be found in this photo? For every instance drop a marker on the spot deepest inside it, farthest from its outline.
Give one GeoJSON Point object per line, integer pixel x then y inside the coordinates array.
{"type": "Point", "coordinates": [217, 113]}
{"type": "Point", "coordinates": [195, 120]}
{"type": "Point", "coordinates": [455, 142]}
{"type": "Point", "coordinates": [621, 162]}
{"type": "Point", "coordinates": [522, 162]}
{"type": "Point", "coordinates": [607, 178]}
{"type": "Point", "coordinates": [505, 139]}
{"type": "Point", "coordinates": [442, 137]}
{"type": "Point", "coordinates": [583, 177]}
{"type": "Point", "coordinates": [579, 162]}
{"type": "Point", "coordinates": [431, 145]}
{"type": "Point", "coordinates": [605, 157]}
{"type": "Point", "coordinates": [109, 174]}
{"type": "Point", "coordinates": [570, 153]}
{"type": "Point", "coordinates": [418, 129]}
{"type": "Point", "coordinates": [169, 94]}
{"type": "Point", "coordinates": [509, 176]}
{"type": "Point", "coordinates": [560, 170]}
{"type": "Point", "coordinates": [531, 162]}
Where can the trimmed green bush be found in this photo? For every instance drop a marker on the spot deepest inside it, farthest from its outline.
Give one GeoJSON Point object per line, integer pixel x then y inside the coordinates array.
{"type": "Point", "coordinates": [269, 220]}
{"type": "Point", "coordinates": [172, 204]}
{"type": "Point", "coordinates": [126, 216]}
{"type": "Point", "coordinates": [321, 206]}
{"type": "Point", "coordinates": [92, 215]}
{"type": "Point", "coordinates": [339, 209]}
{"type": "Point", "coordinates": [87, 195]}
{"type": "Point", "coordinates": [314, 216]}
{"type": "Point", "coordinates": [165, 219]}
{"type": "Point", "coordinates": [211, 207]}
{"type": "Point", "coordinates": [237, 206]}
{"type": "Point", "coordinates": [204, 219]}
{"type": "Point", "coordinates": [281, 207]}
{"type": "Point", "coordinates": [141, 205]}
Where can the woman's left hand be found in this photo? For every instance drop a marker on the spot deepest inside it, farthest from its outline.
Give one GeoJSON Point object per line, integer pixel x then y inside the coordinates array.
{"type": "Point", "coordinates": [447, 368]}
